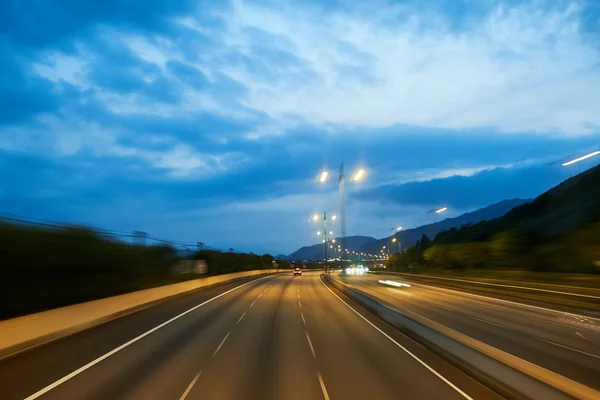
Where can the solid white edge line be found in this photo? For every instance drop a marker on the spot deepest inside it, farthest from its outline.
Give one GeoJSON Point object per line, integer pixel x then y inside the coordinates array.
{"type": "Point", "coordinates": [241, 318]}
{"type": "Point", "coordinates": [127, 344]}
{"type": "Point", "coordinates": [446, 381]}
{"type": "Point", "coordinates": [323, 389]}
{"type": "Point", "coordinates": [312, 349]}
{"type": "Point", "coordinates": [570, 348]}
{"type": "Point", "coordinates": [524, 305]}
{"type": "Point", "coordinates": [221, 344]}
{"type": "Point", "coordinates": [190, 386]}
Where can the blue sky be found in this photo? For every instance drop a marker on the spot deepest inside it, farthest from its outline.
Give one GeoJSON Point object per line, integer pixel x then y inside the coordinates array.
{"type": "Point", "coordinates": [210, 121]}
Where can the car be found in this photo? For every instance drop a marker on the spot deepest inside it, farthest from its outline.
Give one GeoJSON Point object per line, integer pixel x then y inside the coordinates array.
{"type": "Point", "coordinates": [297, 271]}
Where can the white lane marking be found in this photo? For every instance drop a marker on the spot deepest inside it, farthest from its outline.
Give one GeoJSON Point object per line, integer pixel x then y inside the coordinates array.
{"type": "Point", "coordinates": [300, 304]}
{"type": "Point", "coordinates": [488, 322]}
{"type": "Point", "coordinates": [570, 348]}
{"type": "Point", "coordinates": [463, 394]}
{"type": "Point", "coordinates": [514, 287]}
{"type": "Point", "coordinates": [252, 304]}
{"type": "Point", "coordinates": [189, 388]}
{"type": "Point", "coordinates": [260, 295]}
{"type": "Point", "coordinates": [312, 349]}
{"type": "Point", "coordinates": [493, 299]}
{"type": "Point", "coordinates": [443, 308]}
{"type": "Point", "coordinates": [241, 318]}
{"type": "Point", "coordinates": [323, 389]}
{"type": "Point", "coordinates": [127, 344]}
{"type": "Point", "coordinates": [221, 344]}
{"type": "Point", "coordinates": [302, 315]}
{"type": "Point", "coordinates": [298, 295]}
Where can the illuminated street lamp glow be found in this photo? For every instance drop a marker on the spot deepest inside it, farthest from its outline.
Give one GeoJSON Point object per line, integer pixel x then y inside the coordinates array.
{"type": "Point", "coordinates": [315, 217]}
{"type": "Point", "coordinates": [323, 176]}
{"type": "Point", "coordinates": [359, 174]}
{"type": "Point", "coordinates": [399, 228]}
{"type": "Point", "coordinates": [333, 217]}
{"type": "Point", "coordinates": [319, 233]}
{"type": "Point", "coordinates": [331, 232]}
{"type": "Point", "coordinates": [333, 240]}
{"type": "Point", "coordinates": [441, 210]}
{"type": "Point", "coordinates": [394, 240]}
{"type": "Point", "coordinates": [595, 153]}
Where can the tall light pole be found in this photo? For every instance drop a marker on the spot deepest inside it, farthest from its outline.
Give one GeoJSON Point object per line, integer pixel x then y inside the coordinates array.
{"type": "Point", "coordinates": [396, 229]}
{"type": "Point", "coordinates": [341, 188]}
{"type": "Point", "coordinates": [315, 218]}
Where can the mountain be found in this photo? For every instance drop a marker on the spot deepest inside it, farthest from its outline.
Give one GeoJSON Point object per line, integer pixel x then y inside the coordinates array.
{"type": "Point", "coordinates": [315, 251]}
{"type": "Point", "coordinates": [573, 203]}
{"type": "Point", "coordinates": [407, 238]}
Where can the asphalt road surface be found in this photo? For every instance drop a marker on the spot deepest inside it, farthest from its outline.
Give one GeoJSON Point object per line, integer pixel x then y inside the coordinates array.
{"type": "Point", "coordinates": [563, 342]}
{"type": "Point", "coordinates": [277, 337]}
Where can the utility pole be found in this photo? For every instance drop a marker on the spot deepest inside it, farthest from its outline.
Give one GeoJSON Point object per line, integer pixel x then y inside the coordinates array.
{"type": "Point", "coordinates": [139, 238]}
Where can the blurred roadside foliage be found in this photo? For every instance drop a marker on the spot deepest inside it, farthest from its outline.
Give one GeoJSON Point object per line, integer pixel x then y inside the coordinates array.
{"type": "Point", "coordinates": [576, 250]}
{"type": "Point", "coordinates": [45, 268]}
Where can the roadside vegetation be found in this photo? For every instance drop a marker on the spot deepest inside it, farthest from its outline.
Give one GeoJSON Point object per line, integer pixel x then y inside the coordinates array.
{"type": "Point", "coordinates": [45, 268]}
{"type": "Point", "coordinates": [558, 232]}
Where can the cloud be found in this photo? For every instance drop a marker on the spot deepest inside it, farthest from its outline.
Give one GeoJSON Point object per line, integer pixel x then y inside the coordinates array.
{"type": "Point", "coordinates": [224, 112]}
{"type": "Point", "coordinates": [515, 67]}
{"type": "Point", "coordinates": [468, 192]}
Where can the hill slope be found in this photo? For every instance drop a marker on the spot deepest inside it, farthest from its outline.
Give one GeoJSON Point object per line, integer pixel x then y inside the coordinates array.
{"type": "Point", "coordinates": [409, 237]}
{"type": "Point", "coordinates": [572, 203]}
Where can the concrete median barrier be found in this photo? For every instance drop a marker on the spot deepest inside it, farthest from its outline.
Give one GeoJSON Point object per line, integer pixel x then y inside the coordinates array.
{"type": "Point", "coordinates": [24, 332]}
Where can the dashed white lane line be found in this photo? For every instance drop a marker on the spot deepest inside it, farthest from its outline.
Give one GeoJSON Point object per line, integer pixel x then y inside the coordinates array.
{"type": "Point", "coordinates": [433, 371]}
{"type": "Point", "coordinates": [570, 348]}
{"type": "Point", "coordinates": [323, 388]}
{"type": "Point", "coordinates": [312, 349]}
{"type": "Point", "coordinates": [127, 344]}
{"type": "Point", "coordinates": [443, 308]}
{"type": "Point", "coordinates": [488, 322]}
{"type": "Point", "coordinates": [190, 386]}
{"type": "Point", "coordinates": [252, 304]}
{"type": "Point", "coordinates": [221, 344]}
{"type": "Point", "coordinates": [260, 295]}
{"type": "Point", "coordinates": [302, 315]}
{"type": "Point", "coordinates": [300, 304]}
{"type": "Point", "coordinates": [241, 318]}
{"type": "Point", "coordinates": [298, 295]}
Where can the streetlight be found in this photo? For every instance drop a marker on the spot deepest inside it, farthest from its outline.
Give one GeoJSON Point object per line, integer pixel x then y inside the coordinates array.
{"type": "Point", "coordinates": [315, 217]}
{"type": "Point", "coordinates": [595, 153]}
{"type": "Point", "coordinates": [441, 210]}
{"type": "Point", "coordinates": [359, 174]}
{"type": "Point", "coordinates": [341, 184]}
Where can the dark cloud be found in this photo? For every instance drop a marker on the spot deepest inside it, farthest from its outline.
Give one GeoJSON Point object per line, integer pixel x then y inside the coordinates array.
{"type": "Point", "coordinates": [469, 192]}
{"type": "Point", "coordinates": [38, 24]}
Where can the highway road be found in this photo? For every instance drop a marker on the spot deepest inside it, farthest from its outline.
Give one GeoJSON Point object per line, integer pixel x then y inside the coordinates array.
{"type": "Point", "coordinates": [563, 342]}
{"type": "Point", "coordinates": [276, 337]}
